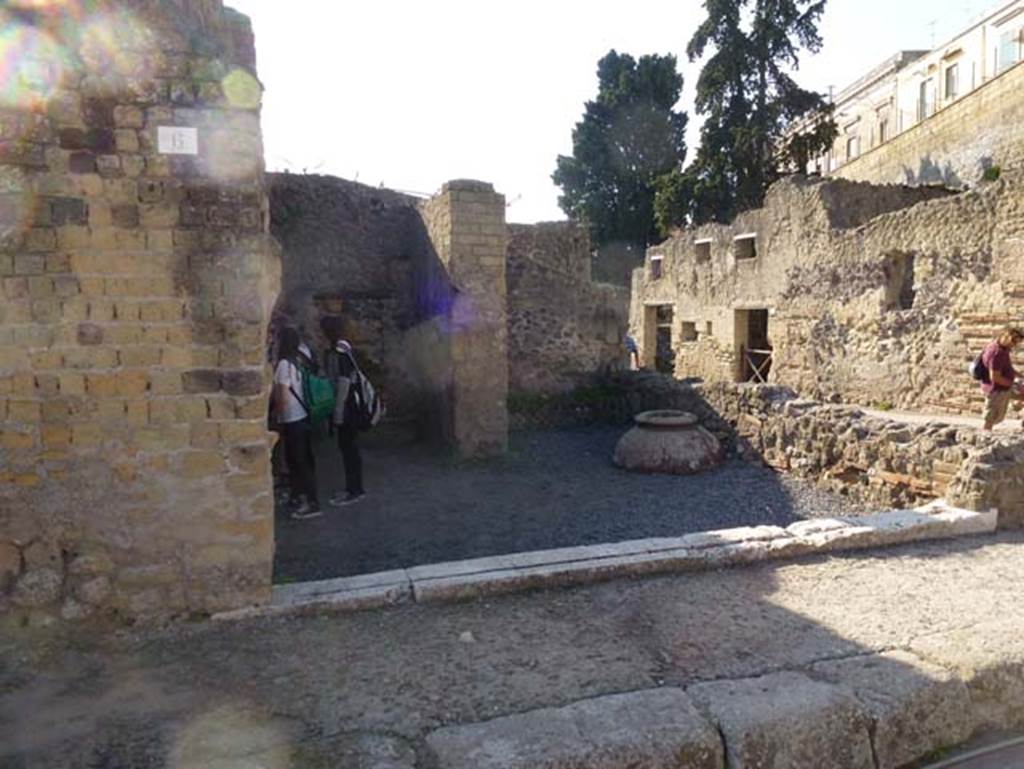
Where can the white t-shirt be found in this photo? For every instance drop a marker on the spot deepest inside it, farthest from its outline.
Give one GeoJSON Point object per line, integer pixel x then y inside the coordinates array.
{"type": "Point", "coordinates": [287, 374]}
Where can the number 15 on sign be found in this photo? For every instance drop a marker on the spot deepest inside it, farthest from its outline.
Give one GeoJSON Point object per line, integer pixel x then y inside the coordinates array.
{"type": "Point", "coordinates": [177, 140]}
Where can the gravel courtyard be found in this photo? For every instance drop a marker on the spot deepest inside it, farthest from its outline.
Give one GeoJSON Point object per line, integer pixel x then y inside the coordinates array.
{"type": "Point", "coordinates": [553, 489]}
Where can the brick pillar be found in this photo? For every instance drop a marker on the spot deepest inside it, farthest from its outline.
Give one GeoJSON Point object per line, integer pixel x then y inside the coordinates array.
{"type": "Point", "coordinates": [136, 283]}
{"type": "Point", "coordinates": [466, 222]}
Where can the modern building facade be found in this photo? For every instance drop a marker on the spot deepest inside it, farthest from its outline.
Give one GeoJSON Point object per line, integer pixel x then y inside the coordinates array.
{"type": "Point", "coordinates": [913, 87]}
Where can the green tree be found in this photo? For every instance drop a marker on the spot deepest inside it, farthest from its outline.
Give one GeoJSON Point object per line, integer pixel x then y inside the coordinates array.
{"type": "Point", "coordinates": [628, 137]}
{"type": "Point", "coordinates": [751, 103]}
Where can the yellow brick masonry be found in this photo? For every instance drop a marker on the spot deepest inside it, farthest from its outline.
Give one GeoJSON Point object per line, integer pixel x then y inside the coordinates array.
{"type": "Point", "coordinates": [135, 293]}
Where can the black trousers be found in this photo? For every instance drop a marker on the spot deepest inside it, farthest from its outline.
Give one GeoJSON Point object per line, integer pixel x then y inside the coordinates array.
{"type": "Point", "coordinates": [351, 458]}
{"type": "Point", "coordinates": [298, 451]}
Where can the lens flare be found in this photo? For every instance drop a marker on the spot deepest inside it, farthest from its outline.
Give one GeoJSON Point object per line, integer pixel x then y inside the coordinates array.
{"type": "Point", "coordinates": [47, 6]}
{"type": "Point", "coordinates": [242, 90]}
{"type": "Point", "coordinates": [118, 43]}
{"type": "Point", "coordinates": [32, 65]}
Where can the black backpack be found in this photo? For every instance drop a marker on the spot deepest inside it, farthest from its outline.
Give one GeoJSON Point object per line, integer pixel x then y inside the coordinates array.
{"type": "Point", "coordinates": [979, 371]}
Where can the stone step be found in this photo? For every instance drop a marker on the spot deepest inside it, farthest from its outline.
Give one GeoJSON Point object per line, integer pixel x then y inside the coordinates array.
{"type": "Point", "coordinates": [654, 728]}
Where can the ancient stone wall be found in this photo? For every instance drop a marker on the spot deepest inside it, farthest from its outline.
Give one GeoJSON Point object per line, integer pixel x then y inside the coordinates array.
{"type": "Point", "coordinates": [362, 254]}
{"type": "Point", "coordinates": [869, 298]}
{"type": "Point", "coordinates": [466, 227]}
{"type": "Point", "coordinates": [562, 325]}
{"type": "Point", "coordinates": [881, 461]}
{"type": "Point", "coordinates": [957, 144]}
{"type": "Point", "coordinates": [137, 285]}
{"type": "Point", "coordinates": [421, 286]}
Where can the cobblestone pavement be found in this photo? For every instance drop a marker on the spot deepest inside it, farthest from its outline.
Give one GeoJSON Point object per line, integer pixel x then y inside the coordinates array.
{"type": "Point", "coordinates": [333, 690]}
{"type": "Point", "coordinates": [554, 489]}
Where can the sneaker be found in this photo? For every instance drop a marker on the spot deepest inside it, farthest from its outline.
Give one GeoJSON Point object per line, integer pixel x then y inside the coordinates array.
{"type": "Point", "coordinates": [306, 510]}
{"type": "Point", "coordinates": [341, 500]}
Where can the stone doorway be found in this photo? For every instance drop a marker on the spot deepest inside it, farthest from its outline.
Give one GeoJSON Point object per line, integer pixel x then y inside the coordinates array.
{"type": "Point", "coordinates": [753, 345]}
{"type": "Point", "coordinates": [657, 350]}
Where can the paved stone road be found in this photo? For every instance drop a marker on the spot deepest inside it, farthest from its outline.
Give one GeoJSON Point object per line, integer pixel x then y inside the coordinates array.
{"type": "Point", "coordinates": [554, 489]}
{"type": "Point", "coordinates": [368, 689]}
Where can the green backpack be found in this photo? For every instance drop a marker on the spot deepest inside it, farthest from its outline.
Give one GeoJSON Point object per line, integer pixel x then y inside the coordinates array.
{"type": "Point", "coordinates": [317, 396]}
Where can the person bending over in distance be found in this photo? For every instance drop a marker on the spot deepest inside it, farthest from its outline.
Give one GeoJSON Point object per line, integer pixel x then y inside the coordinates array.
{"type": "Point", "coordinates": [340, 368]}
{"type": "Point", "coordinates": [634, 352]}
{"type": "Point", "coordinates": [296, 430]}
{"type": "Point", "coordinates": [1003, 383]}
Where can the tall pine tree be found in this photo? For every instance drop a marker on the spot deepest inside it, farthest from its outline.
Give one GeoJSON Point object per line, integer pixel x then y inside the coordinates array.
{"type": "Point", "coordinates": [750, 103]}
{"type": "Point", "coordinates": [628, 137]}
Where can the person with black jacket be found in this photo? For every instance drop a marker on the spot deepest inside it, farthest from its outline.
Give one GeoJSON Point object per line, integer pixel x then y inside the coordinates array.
{"type": "Point", "coordinates": [341, 369]}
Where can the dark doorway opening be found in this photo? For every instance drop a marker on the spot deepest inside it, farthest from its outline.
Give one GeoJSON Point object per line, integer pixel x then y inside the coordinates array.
{"type": "Point", "coordinates": [664, 355]}
{"type": "Point", "coordinates": [754, 349]}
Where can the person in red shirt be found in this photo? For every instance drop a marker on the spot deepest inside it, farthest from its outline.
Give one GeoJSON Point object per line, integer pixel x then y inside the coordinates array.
{"type": "Point", "coordinates": [1002, 385]}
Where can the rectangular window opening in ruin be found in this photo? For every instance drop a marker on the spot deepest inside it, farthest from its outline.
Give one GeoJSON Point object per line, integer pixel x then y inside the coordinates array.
{"type": "Point", "coordinates": [899, 286]}
{"type": "Point", "coordinates": [708, 328]}
{"type": "Point", "coordinates": [753, 345]}
{"type": "Point", "coordinates": [688, 332]}
{"type": "Point", "coordinates": [702, 250]}
{"type": "Point", "coordinates": [745, 246]}
{"type": "Point", "coordinates": [656, 271]}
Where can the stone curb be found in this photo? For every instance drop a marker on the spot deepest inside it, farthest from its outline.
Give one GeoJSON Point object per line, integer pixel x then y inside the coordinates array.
{"type": "Point", "coordinates": [693, 552]}
{"type": "Point", "coordinates": [883, 709]}
{"type": "Point", "coordinates": [655, 729]}
{"type": "Point", "coordinates": [461, 580]}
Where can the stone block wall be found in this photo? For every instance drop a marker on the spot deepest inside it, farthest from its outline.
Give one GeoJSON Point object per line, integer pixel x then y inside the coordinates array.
{"type": "Point", "coordinates": [883, 462]}
{"type": "Point", "coordinates": [422, 286]}
{"type": "Point", "coordinates": [466, 226]}
{"type": "Point", "coordinates": [562, 325]}
{"type": "Point", "coordinates": [134, 473]}
{"type": "Point", "coordinates": [874, 295]}
{"type": "Point", "coordinates": [362, 254]}
{"type": "Point", "coordinates": [957, 144]}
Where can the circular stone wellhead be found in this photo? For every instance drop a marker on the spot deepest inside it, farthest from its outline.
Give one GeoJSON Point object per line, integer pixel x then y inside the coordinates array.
{"type": "Point", "coordinates": [668, 442]}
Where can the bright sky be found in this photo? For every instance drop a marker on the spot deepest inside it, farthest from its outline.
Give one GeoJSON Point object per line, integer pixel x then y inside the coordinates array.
{"type": "Point", "coordinates": [409, 94]}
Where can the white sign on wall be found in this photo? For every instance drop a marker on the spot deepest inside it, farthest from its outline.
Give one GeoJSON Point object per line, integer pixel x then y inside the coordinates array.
{"type": "Point", "coordinates": [177, 140]}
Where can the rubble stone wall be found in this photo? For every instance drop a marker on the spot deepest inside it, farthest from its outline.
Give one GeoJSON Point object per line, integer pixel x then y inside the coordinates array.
{"type": "Point", "coordinates": [421, 285]}
{"type": "Point", "coordinates": [563, 326]}
{"type": "Point", "coordinates": [137, 286]}
{"type": "Point", "coordinates": [875, 295]}
{"type": "Point", "coordinates": [882, 461]}
{"type": "Point", "coordinates": [361, 253]}
{"type": "Point", "coordinates": [957, 144]}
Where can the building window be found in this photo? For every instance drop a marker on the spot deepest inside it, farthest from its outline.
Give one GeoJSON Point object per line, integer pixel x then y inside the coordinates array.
{"type": "Point", "coordinates": [708, 328]}
{"type": "Point", "coordinates": [883, 130]}
{"type": "Point", "coordinates": [926, 100]}
{"type": "Point", "coordinates": [689, 332]}
{"type": "Point", "coordinates": [1009, 50]}
{"type": "Point", "coordinates": [953, 81]}
{"type": "Point", "coordinates": [745, 246]}
{"type": "Point", "coordinates": [702, 250]}
{"type": "Point", "coordinates": [656, 267]}
{"type": "Point", "coordinates": [852, 147]}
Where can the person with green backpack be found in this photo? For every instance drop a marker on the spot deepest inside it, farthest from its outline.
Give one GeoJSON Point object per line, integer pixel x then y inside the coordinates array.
{"type": "Point", "coordinates": [294, 414]}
